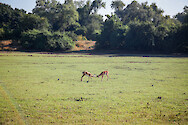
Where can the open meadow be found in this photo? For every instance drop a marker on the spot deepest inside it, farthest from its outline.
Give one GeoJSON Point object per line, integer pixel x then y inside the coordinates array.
{"type": "Point", "coordinates": [43, 89]}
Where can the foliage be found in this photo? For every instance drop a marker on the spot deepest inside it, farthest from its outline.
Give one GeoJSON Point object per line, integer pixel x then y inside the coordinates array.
{"type": "Point", "coordinates": [177, 41]}
{"type": "Point", "coordinates": [117, 5]}
{"type": "Point", "coordinates": [2, 33]}
{"type": "Point", "coordinates": [59, 41]}
{"type": "Point", "coordinates": [135, 27]}
{"type": "Point", "coordinates": [45, 40]}
{"type": "Point", "coordinates": [34, 39]}
{"type": "Point", "coordinates": [31, 21]}
{"type": "Point", "coordinates": [91, 22]}
{"type": "Point", "coordinates": [60, 16]}
{"type": "Point", "coordinates": [10, 20]}
{"type": "Point", "coordinates": [15, 21]}
{"type": "Point", "coordinates": [33, 30]}
{"type": "Point", "coordinates": [112, 36]}
{"type": "Point", "coordinates": [94, 26]}
{"type": "Point", "coordinates": [162, 33]}
{"type": "Point", "coordinates": [96, 4]}
{"type": "Point", "coordinates": [140, 37]}
{"type": "Point", "coordinates": [183, 17]}
{"type": "Point", "coordinates": [141, 27]}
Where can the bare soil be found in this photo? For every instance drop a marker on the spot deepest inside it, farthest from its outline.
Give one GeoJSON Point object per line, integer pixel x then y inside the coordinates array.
{"type": "Point", "coordinates": [7, 45]}
{"type": "Point", "coordinates": [84, 45]}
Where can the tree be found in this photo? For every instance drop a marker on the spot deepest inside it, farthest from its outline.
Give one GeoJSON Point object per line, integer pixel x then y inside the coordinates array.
{"type": "Point", "coordinates": [141, 27]}
{"type": "Point", "coordinates": [113, 33]}
{"type": "Point", "coordinates": [177, 41]}
{"type": "Point", "coordinates": [182, 17]}
{"type": "Point", "coordinates": [141, 12]}
{"type": "Point", "coordinates": [90, 21]}
{"type": "Point", "coordinates": [118, 5]}
{"type": "Point", "coordinates": [43, 40]}
{"type": "Point", "coordinates": [79, 3]}
{"type": "Point", "coordinates": [67, 16]}
{"type": "Point", "coordinates": [84, 13]}
{"type": "Point", "coordinates": [10, 20]}
{"type": "Point", "coordinates": [31, 21]}
{"type": "Point", "coordinates": [60, 16]}
{"type": "Point", "coordinates": [14, 21]}
{"type": "Point", "coordinates": [181, 39]}
{"type": "Point", "coordinates": [60, 41]}
{"type": "Point", "coordinates": [93, 26]}
{"type": "Point", "coordinates": [97, 4]}
{"type": "Point", "coordinates": [140, 37]}
{"type": "Point", "coordinates": [34, 39]}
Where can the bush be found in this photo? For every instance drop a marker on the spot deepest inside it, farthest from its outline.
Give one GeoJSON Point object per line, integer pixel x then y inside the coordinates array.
{"type": "Point", "coordinates": [60, 41]}
{"type": "Point", "coordinates": [2, 32]}
{"type": "Point", "coordinates": [34, 39]}
{"type": "Point", "coordinates": [140, 36]}
{"type": "Point", "coordinates": [45, 40]}
{"type": "Point", "coordinates": [113, 34]}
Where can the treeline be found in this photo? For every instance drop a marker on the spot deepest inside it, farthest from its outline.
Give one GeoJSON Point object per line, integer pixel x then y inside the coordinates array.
{"type": "Point", "coordinates": [55, 26]}
{"type": "Point", "coordinates": [143, 27]}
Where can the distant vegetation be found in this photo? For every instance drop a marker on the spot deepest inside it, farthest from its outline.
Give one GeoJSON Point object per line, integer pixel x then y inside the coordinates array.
{"type": "Point", "coordinates": [134, 27]}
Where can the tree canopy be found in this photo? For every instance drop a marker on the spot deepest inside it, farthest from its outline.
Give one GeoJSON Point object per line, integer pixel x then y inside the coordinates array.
{"type": "Point", "coordinates": [143, 27]}
{"type": "Point", "coordinates": [134, 27]}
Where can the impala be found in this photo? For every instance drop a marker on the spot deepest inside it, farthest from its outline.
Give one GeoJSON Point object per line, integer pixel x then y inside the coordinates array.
{"type": "Point", "coordinates": [103, 73]}
{"type": "Point", "coordinates": [88, 74]}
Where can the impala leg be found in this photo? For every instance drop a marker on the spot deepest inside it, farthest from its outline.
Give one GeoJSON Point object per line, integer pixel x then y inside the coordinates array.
{"type": "Point", "coordinates": [107, 77]}
{"type": "Point", "coordinates": [82, 77]}
{"type": "Point", "coordinates": [102, 78]}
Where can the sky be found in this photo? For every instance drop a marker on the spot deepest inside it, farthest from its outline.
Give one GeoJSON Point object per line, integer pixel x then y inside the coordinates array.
{"type": "Point", "coordinates": [170, 7]}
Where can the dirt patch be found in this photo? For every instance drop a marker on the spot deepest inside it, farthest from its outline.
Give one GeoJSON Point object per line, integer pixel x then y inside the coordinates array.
{"type": "Point", "coordinates": [84, 45]}
{"type": "Point", "coordinates": [7, 45]}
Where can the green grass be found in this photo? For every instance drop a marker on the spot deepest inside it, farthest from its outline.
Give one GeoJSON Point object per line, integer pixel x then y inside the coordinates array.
{"type": "Point", "coordinates": [141, 90]}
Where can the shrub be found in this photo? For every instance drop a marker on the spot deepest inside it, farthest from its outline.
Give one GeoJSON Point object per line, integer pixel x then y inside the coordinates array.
{"type": "Point", "coordinates": [34, 39]}
{"type": "Point", "coordinates": [2, 32]}
{"type": "Point", "coordinates": [60, 41]}
{"type": "Point", "coordinates": [45, 40]}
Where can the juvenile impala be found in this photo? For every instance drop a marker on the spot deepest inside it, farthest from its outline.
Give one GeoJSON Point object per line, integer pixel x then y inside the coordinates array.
{"type": "Point", "coordinates": [88, 74]}
{"type": "Point", "coordinates": [103, 73]}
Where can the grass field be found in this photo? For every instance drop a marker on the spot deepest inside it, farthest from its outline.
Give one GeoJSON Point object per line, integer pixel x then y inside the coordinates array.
{"type": "Point", "coordinates": [46, 89]}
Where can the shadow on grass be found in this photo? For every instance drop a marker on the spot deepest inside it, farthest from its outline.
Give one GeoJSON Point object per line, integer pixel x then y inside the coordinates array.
{"type": "Point", "coordinates": [119, 53]}
{"type": "Point", "coordinates": [109, 53]}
